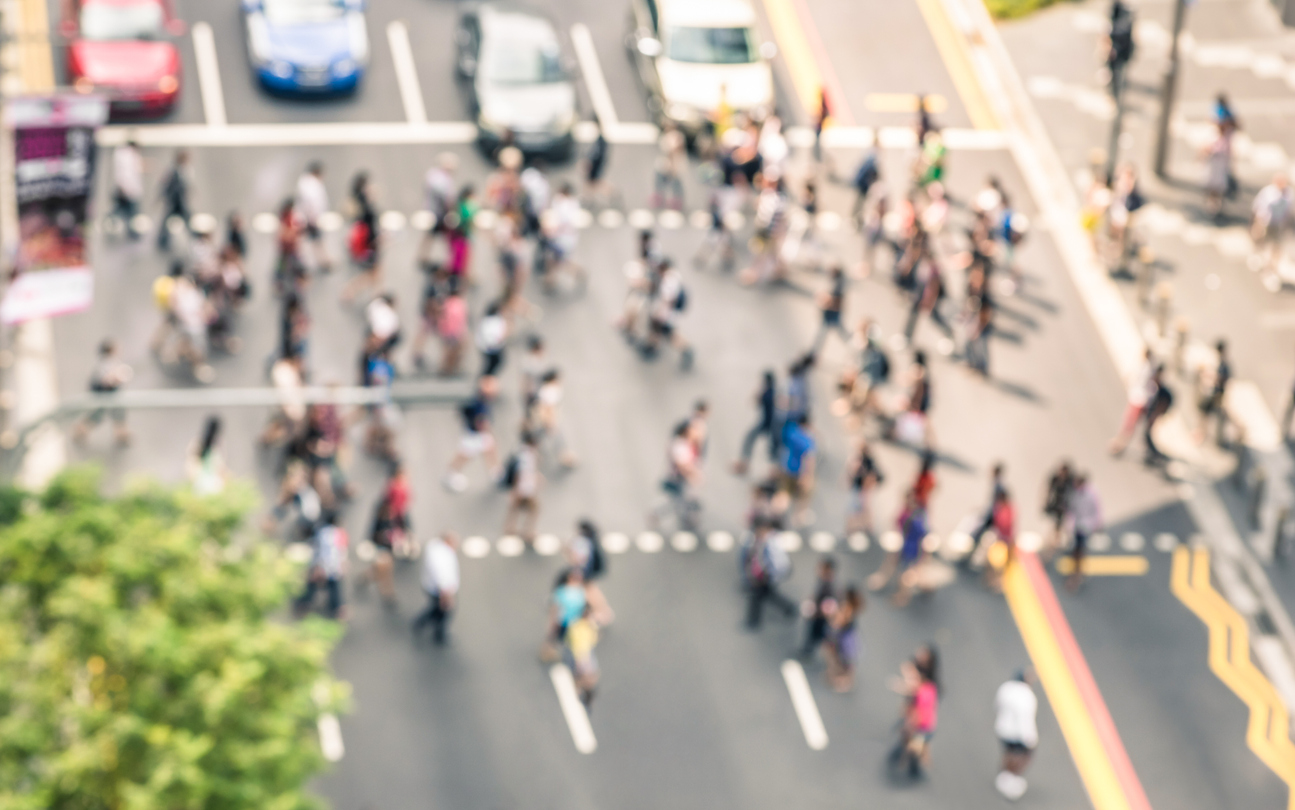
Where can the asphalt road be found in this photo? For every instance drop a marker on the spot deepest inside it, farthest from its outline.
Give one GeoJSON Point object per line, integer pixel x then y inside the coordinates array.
{"type": "Point", "coordinates": [693, 711]}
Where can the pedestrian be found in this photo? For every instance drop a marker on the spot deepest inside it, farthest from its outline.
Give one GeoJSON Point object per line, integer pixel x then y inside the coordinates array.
{"type": "Point", "coordinates": [235, 236]}
{"type": "Point", "coordinates": [581, 639]}
{"type": "Point", "coordinates": [978, 334]}
{"type": "Point", "coordinates": [767, 566]}
{"type": "Point", "coordinates": [683, 475]}
{"type": "Point", "coordinates": [864, 478]}
{"type": "Point", "coordinates": [492, 340]}
{"type": "Point", "coordinates": [205, 465]}
{"type": "Point", "coordinates": [919, 683]}
{"type": "Point", "coordinates": [364, 242]}
{"type": "Point", "coordinates": [1220, 183]}
{"type": "Point", "coordinates": [1213, 405]}
{"type": "Point", "coordinates": [438, 187]}
{"type": "Point", "coordinates": [766, 424]}
{"type": "Point", "coordinates": [667, 187]}
{"type": "Point", "coordinates": [822, 115]}
{"type": "Point", "coordinates": [326, 570]}
{"type": "Point", "coordinates": [798, 457]}
{"type": "Point", "coordinates": [1056, 502]}
{"type": "Point", "coordinates": [389, 532]}
{"type": "Point", "coordinates": [913, 529]}
{"type": "Point", "coordinates": [1016, 708]}
{"type": "Point", "coordinates": [175, 200]}
{"type": "Point", "coordinates": [1004, 550]}
{"type": "Point", "coordinates": [842, 645]}
{"type": "Point", "coordinates": [523, 478]}
{"type": "Point", "coordinates": [452, 328]}
{"type": "Point", "coordinates": [440, 581]}
{"type": "Point", "coordinates": [477, 439]}
{"type": "Point", "coordinates": [996, 488]}
{"type": "Point", "coordinates": [796, 397]}
{"type": "Point", "coordinates": [1159, 403]}
{"type": "Point", "coordinates": [865, 178]}
{"type": "Point", "coordinates": [831, 306]}
{"type": "Point", "coordinates": [127, 186]}
{"type": "Point", "coordinates": [289, 271]}
{"type": "Point", "coordinates": [1086, 518]}
{"type": "Point", "coordinates": [1270, 219]}
{"type": "Point", "coordinates": [819, 608]}
{"type": "Point", "coordinates": [927, 298]}
{"type": "Point", "coordinates": [544, 418]}
{"type": "Point", "coordinates": [585, 551]}
{"type": "Point", "coordinates": [311, 205]}
{"type": "Point", "coordinates": [460, 234]}
{"type": "Point", "coordinates": [596, 188]}
{"type": "Point", "coordinates": [859, 386]}
{"type": "Point", "coordinates": [1139, 393]}
{"type": "Point", "coordinates": [667, 300]}
{"type": "Point", "coordinates": [109, 375]}
{"type": "Point", "coordinates": [566, 605]}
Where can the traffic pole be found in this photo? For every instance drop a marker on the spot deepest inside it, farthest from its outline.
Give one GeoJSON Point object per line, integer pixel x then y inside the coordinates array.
{"type": "Point", "coordinates": [1169, 91]}
{"type": "Point", "coordinates": [1117, 91]}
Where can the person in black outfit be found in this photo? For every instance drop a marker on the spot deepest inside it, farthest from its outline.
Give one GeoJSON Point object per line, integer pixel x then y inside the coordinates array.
{"type": "Point", "coordinates": [766, 424]}
{"type": "Point", "coordinates": [1161, 401]}
{"type": "Point", "coordinates": [175, 198]}
{"type": "Point", "coordinates": [817, 627]}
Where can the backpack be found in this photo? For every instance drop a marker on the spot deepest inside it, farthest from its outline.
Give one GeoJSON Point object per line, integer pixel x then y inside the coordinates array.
{"type": "Point", "coordinates": [867, 175]}
{"type": "Point", "coordinates": [358, 240]}
{"type": "Point", "coordinates": [509, 478]}
{"type": "Point", "coordinates": [597, 559]}
{"type": "Point", "coordinates": [681, 300]}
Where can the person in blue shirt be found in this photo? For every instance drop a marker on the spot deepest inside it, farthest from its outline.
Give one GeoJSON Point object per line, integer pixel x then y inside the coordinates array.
{"type": "Point", "coordinates": [797, 456]}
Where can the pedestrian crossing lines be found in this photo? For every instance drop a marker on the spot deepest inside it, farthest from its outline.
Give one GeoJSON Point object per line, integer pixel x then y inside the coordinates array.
{"type": "Point", "coordinates": [953, 547]}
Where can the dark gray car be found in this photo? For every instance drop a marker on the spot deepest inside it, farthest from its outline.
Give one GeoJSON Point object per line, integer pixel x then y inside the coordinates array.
{"type": "Point", "coordinates": [517, 78]}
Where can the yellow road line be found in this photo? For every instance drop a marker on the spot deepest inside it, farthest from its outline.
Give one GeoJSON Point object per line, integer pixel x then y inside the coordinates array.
{"type": "Point", "coordinates": [1114, 565]}
{"type": "Point", "coordinates": [1268, 729]}
{"type": "Point", "coordinates": [1091, 758]}
{"type": "Point", "coordinates": [37, 56]}
{"type": "Point", "coordinates": [796, 52]}
{"type": "Point", "coordinates": [957, 60]}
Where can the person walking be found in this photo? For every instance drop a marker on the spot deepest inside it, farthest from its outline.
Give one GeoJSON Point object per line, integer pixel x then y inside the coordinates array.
{"type": "Point", "coordinates": [1214, 404]}
{"type": "Point", "coordinates": [682, 478]}
{"type": "Point", "coordinates": [327, 568]}
{"type": "Point", "coordinates": [1139, 393]}
{"type": "Point", "coordinates": [492, 340]}
{"type": "Point", "coordinates": [1220, 183]}
{"type": "Point", "coordinates": [477, 439]}
{"type": "Point", "coordinates": [996, 488]}
{"type": "Point", "coordinates": [1270, 219]}
{"type": "Point", "coordinates": [438, 188]}
{"type": "Point", "coordinates": [585, 551]}
{"type": "Point", "coordinates": [311, 203]}
{"type": "Point", "coordinates": [108, 376]}
{"type": "Point", "coordinates": [127, 186]}
{"type": "Point", "coordinates": [767, 565]}
{"type": "Point", "coordinates": [842, 643]}
{"type": "Point", "coordinates": [832, 307]}
{"type": "Point", "coordinates": [175, 199]}
{"type": "Point", "coordinates": [1056, 502]}
{"type": "Point", "coordinates": [1086, 517]}
{"type": "Point", "coordinates": [798, 457]}
{"type": "Point", "coordinates": [1016, 708]}
{"type": "Point", "coordinates": [1161, 400]}
{"type": "Point", "coordinates": [581, 639]}
{"type": "Point", "coordinates": [596, 188]}
{"type": "Point", "coordinates": [667, 187]}
{"type": "Point", "coordinates": [864, 478]}
{"type": "Point", "coordinates": [205, 465]}
{"type": "Point", "coordinates": [566, 605]}
{"type": "Point", "coordinates": [667, 300]}
{"type": "Point", "coordinates": [523, 478]}
{"type": "Point", "coordinates": [919, 683]}
{"type": "Point", "coordinates": [440, 581]}
{"type": "Point", "coordinates": [819, 608]}
{"type": "Point", "coordinates": [865, 178]}
{"type": "Point", "coordinates": [766, 424]}
{"type": "Point", "coordinates": [389, 532]}
{"type": "Point", "coordinates": [364, 242]}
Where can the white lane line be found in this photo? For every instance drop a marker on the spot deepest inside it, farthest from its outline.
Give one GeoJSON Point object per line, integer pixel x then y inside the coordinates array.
{"type": "Point", "coordinates": [406, 73]}
{"type": "Point", "coordinates": [802, 700]}
{"type": "Point", "coordinates": [330, 737]}
{"type": "Point", "coordinates": [213, 97]}
{"type": "Point", "coordinates": [595, 83]}
{"type": "Point", "coordinates": [582, 733]}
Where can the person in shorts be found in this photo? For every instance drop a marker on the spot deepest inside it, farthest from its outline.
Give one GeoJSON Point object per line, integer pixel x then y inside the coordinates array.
{"type": "Point", "coordinates": [1016, 708]}
{"type": "Point", "coordinates": [522, 476]}
{"type": "Point", "coordinates": [109, 374]}
{"type": "Point", "coordinates": [477, 439]}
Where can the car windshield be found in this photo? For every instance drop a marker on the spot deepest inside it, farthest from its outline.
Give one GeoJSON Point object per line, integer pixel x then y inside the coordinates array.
{"type": "Point", "coordinates": [296, 12]}
{"type": "Point", "coordinates": [109, 21]}
{"type": "Point", "coordinates": [714, 46]}
{"type": "Point", "coordinates": [522, 61]}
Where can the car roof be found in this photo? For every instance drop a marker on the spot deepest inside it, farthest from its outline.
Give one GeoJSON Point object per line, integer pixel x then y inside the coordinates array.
{"type": "Point", "coordinates": [514, 20]}
{"type": "Point", "coordinates": [707, 13]}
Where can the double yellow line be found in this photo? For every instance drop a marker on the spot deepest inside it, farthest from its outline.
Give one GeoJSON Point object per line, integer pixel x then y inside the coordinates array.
{"type": "Point", "coordinates": [1268, 732]}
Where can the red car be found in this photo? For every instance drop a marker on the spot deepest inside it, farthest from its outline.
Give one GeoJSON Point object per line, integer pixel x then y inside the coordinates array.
{"type": "Point", "coordinates": [122, 49]}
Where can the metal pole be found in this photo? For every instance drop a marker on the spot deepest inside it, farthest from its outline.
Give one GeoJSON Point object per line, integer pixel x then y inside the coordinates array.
{"type": "Point", "coordinates": [1169, 91]}
{"type": "Point", "coordinates": [1117, 90]}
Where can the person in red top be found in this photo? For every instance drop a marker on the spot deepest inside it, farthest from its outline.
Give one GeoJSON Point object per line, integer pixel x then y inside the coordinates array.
{"type": "Point", "coordinates": [925, 483]}
{"type": "Point", "coordinates": [390, 532]}
{"type": "Point", "coordinates": [919, 682]}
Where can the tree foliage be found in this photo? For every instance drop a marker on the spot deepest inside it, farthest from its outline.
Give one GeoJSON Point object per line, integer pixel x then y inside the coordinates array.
{"type": "Point", "coordinates": [142, 662]}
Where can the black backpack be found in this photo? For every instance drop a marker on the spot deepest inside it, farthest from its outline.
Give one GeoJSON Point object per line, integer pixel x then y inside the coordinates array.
{"type": "Point", "coordinates": [681, 300]}
{"type": "Point", "coordinates": [509, 478]}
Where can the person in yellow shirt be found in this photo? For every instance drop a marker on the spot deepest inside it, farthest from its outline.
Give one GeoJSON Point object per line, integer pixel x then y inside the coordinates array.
{"type": "Point", "coordinates": [582, 637]}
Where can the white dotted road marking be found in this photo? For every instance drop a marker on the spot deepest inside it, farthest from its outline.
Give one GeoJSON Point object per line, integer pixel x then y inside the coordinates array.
{"type": "Point", "coordinates": [203, 223]}
{"type": "Point", "coordinates": [582, 733]}
{"type": "Point", "coordinates": [1132, 542]}
{"type": "Point", "coordinates": [485, 219]}
{"type": "Point", "coordinates": [822, 542]}
{"type": "Point", "coordinates": [684, 542]}
{"type": "Point", "coordinates": [265, 222]}
{"type": "Point", "coordinates": [790, 541]}
{"type": "Point", "coordinates": [476, 547]}
{"type": "Point", "coordinates": [548, 544]}
{"type": "Point", "coordinates": [611, 218]}
{"type": "Point", "coordinates": [392, 221]}
{"type": "Point", "coordinates": [421, 220]}
{"type": "Point", "coordinates": [298, 553]}
{"type": "Point", "coordinates": [176, 225]}
{"type": "Point", "coordinates": [1165, 542]}
{"type": "Point", "coordinates": [701, 220]}
{"type": "Point", "coordinates": [858, 541]}
{"type": "Point", "coordinates": [641, 219]}
{"type": "Point", "coordinates": [1213, 282]}
{"type": "Point", "coordinates": [1099, 542]}
{"type": "Point", "coordinates": [1031, 542]}
{"type": "Point", "coordinates": [802, 700]}
{"type": "Point", "coordinates": [828, 221]}
{"type": "Point", "coordinates": [931, 543]}
{"type": "Point", "coordinates": [510, 545]}
{"type": "Point", "coordinates": [616, 543]}
{"type": "Point", "coordinates": [142, 223]}
{"type": "Point", "coordinates": [583, 219]}
{"type": "Point", "coordinates": [719, 541]}
{"type": "Point", "coordinates": [365, 551]}
{"type": "Point", "coordinates": [734, 220]}
{"type": "Point", "coordinates": [891, 541]}
{"type": "Point", "coordinates": [649, 542]}
{"type": "Point", "coordinates": [670, 220]}
{"type": "Point", "coordinates": [956, 546]}
{"type": "Point", "coordinates": [330, 221]}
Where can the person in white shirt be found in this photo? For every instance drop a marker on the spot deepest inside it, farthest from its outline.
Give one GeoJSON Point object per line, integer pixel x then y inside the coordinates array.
{"type": "Point", "coordinates": [311, 203]}
{"type": "Point", "coordinates": [544, 416]}
{"type": "Point", "coordinates": [561, 236]}
{"type": "Point", "coordinates": [1086, 514]}
{"type": "Point", "coordinates": [1140, 390]}
{"type": "Point", "coordinates": [383, 321]}
{"type": "Point", "coordinates": [127, 185]}
{"type": "Point", "coordinates": [522, 475]}
{"type": "Point", "coordinates": [1016, 708]}
{"type": "Point", "coordinates": [1271, 214]}
{"type": "Point", "coordinates": [492, 339]}
{"type": "Point", "coordinates": [440, 581]}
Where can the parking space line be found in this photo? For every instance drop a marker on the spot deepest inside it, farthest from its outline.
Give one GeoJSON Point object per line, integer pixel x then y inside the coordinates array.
{"type": "Point", "coordinates": [213, 97]}
{"type": "Point", "coordinates": [582, 733]}
{"type": "Point", "coordinates": [595, 82]}
{"type": "Point", "coordinates": [411, 93]}
{"type": "Point", "coordinates": [802, 700]}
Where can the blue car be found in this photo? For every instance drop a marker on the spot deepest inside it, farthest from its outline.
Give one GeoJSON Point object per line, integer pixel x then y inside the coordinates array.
{"type": "Point", "coordinates": [312, 47]}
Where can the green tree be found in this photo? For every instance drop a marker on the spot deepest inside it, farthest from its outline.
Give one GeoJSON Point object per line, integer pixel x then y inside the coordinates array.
{"type": "Point", "coordinates": [143, 662]}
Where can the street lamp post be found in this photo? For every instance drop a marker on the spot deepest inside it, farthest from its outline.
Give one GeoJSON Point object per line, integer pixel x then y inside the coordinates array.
{"type": "Point", "coordinates": [1169, 90]}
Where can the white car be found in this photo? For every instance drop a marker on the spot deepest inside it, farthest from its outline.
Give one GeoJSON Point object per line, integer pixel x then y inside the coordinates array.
{"type": "Point", "coordinates": [692, 53]}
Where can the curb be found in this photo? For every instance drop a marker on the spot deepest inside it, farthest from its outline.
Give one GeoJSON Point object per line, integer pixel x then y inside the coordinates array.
{"type": "Point", "coordinates": [1240, 575]}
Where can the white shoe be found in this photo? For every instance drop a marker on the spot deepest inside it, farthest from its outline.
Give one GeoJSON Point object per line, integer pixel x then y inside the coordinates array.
{"type": "Point", "coordinates": [1010, 785]}
{"type": "Point", "coordinates": [456, 482]}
